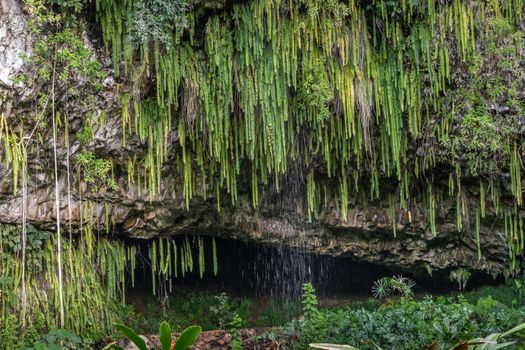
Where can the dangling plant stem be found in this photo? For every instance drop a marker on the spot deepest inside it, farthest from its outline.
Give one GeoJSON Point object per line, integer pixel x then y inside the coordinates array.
{"type": "Point", "coordinates": [23, 296]}
{"type": "Point", "coordinates": [57, 198]}
{"type": "Point", "coordinates": [69, 211]}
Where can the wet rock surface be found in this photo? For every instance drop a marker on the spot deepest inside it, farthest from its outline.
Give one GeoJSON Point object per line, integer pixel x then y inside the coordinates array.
{"type": "Point", "coordinates": [14, 41]}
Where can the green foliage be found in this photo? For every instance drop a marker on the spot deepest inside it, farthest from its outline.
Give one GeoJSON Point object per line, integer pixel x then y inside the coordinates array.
{"type": "Point", "coordinates": [11, 242]}
{"type": "Point", "coordinates": [66, 53]}
{"type": "Point", "coordinates": [14, 155]}
{"type": "Point", "coordinates": [278, 313]}
{"type": "Point", "coordinates": [60, 339]}
{"type": "Point", "coordinates": [186, 339]}
{"type": "Point", "coordinates": [74, 6]}
{"type": "Point", "coordinates": [86, 135]}
{"type": "Point", "coordinates": [36, 338]}
{"type": "Point", "coordinates": [132, 336]}
{"type": "Point", "coordinates": [68, 10]}
{"type": "Point", "coordinates": [41, 15]}
{"type": "Point", "coordinates": [165, 336]}
{"type": "Point", "coordinates": [519, 286]}
{"type": "Point", "coordinates": [491, 342]}
{"type": "Point", "coordinates": [156, 21]}
{"type": "Point", "coordinates": [95, 268]}
{"type": "Point", "coordinates": [387, 286]}
{"type": "Point", "coordinates": [502, 294]}
{"type": "Point", "coordinates": [315, 93]}
{"type": "Point", "coordinates": [482, 138]}
{"type": "Point", "coordinates": [36, 330]}
{"type": "Point", "coordinates": [96, 171]}
{"type": "Point", "coordinates": [313, 320]}
{"type": "Point", "coordinates": [13, 338]}
{"type": "Point", "coordinates": [310, 303]}
{"type": "Point", "coordinates": [8, 332]}
{"type": "Point", "coordinates": [235, 330]}
{"type": "Point", "coordinates": [183, 309]}
{"type": "Point", "coordinates": [410, 324]}
{"type": "Point", "coordinates": [217, 311]}
{"type": "Point", "coordinates": [461, 277]}
{"type": "Point", "coordinates": [223, 310]}
{"type": "Point", "coordinates": [168, 260]}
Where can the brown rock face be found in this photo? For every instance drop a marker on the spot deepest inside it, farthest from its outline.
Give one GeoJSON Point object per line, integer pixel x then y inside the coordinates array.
{"type": "Point", "coordinates": [367, 235]}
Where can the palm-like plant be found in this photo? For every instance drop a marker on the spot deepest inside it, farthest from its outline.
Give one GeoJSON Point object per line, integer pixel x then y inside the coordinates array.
{"type": "Point", "coordinates": [381, 288]}
{"type": "Point", "coordinates": [386, 286]}
{"type": "Point", "coordinates": [403, 285]}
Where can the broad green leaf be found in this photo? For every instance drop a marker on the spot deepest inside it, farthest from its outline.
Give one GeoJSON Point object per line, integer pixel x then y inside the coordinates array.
{"type": "Point", "coordinates": [112, 346]}
{"type": "Point", "coordinates": [332, 346]}
{"type": "Point", "coordinates": [514, 330]}
{"type": "Point", "coordinates": [133, 336]}
{"type": "Point", "coordinates": [165, 336]}
{"type": "Point", "coordinates": [187, 337]}
{"type": "Point", "coordinates": [40, 346]}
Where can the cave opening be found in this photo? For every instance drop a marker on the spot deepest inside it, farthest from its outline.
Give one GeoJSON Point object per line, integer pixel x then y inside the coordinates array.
{"type": "Point", "coordinates": [277, 271]}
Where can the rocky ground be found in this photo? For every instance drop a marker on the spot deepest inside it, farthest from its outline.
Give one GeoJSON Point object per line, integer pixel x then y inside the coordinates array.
{"type": "Point", "coordinates": [253, 338]}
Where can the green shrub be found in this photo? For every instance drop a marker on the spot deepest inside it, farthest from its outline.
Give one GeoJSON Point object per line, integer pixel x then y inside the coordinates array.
{"type": "Point", "coordinates": [313, 320]}
{"type": "Point", "coordinates": [8, 331]}
{"type": "Point", "coordinates": [503, 294]}
{"type": "Point", "coordinates": [493, 341]}
{"type": "Point", "coordinates": [235, 330]}
{"type": "Point", "coordinates": [157, 20]}
{"type": "Point", "coordinates": [519, 286]}
{"type": "Point", "coordinates": [278, 313]}
{"type": "Point", "coordinates": [410, 324]}
{"type": "Point", "coordinates": [61, 339]}
{"type": "Point", "coordinates": [183, 309]}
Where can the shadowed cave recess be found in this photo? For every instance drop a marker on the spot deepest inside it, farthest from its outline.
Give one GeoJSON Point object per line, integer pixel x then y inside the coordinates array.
{"type": "Point", "coordinates": [275, 271]}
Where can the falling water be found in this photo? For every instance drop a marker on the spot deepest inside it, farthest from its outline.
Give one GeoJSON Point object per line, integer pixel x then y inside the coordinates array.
{"type": "Point", "coordinates": [275, 271]}
{"type": "Point", "coordinates": [278, 270]}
